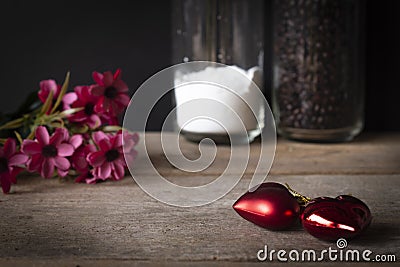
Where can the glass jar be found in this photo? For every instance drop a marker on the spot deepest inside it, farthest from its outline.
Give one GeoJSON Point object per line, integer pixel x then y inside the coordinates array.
{"type": "Point", "coordinates": [318, 77]}
{"type": "Point", "coordinates": [222, 31]}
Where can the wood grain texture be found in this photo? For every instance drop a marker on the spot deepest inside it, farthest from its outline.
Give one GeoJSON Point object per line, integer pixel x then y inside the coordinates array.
{"type": "Point", "coordinates": [367, 154]}
{"type": "Point", "coordinates": [58, 222]}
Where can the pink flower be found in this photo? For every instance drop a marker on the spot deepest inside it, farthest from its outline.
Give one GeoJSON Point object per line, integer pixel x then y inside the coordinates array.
{"type": "Point", "coordinates": [48, 152]}
{"type": "Point", "coordinates": [80, 163]}
{"type": "Point", "coordinates": [86, 100]}
{"type": "Point", "coordinates": [130, 140]}
{"type": "Point", "coordinates": [109, 161]}
{"type": "Point", "coordinates": [67, 100]}
{"type": "Point", "coordinates": [86, 177]}
{"type": "Point", "coordinates": [10, 159]}
{"type": "Point", "coordinates": [108, 119]}
{"type": "Point", "coordinates": [46, 86]}
{"type": "Point", "coordinates": [76, 140]}
{"type": "Point", "coordinates": [112, 92]}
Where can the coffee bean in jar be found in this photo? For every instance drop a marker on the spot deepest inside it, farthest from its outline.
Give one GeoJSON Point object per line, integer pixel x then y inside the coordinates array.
{"type": "Point", "coordinates": [318, 84]}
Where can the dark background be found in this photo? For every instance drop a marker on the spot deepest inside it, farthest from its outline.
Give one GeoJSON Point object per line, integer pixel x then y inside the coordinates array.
{"type": "Point", "coordinates": [45, 39]}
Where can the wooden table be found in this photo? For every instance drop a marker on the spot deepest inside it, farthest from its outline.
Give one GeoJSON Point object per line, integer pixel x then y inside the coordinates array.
{"type": "Point", "coordinates": [60, 223]}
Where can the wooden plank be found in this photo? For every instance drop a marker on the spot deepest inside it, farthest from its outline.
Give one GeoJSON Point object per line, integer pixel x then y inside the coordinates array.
{"type": "Point", "coordinates": [57, 222]}
{"type": "Point", "coordinates": [368, 154]}
{"type": "Point", "coordinates": [68, 262]}
{"type": "Point", "coordinates": [52, 219]}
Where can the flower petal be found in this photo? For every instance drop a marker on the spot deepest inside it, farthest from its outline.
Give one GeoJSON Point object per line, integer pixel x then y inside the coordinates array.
{"type": "Point", "coordinates": [76, 140]}
{"type": "Point", "coordinates": [62, 163]}
{"type": "Point", "coordinates": [99, 107]}
{"type": "Point", "coordinates": [48, 85]}
{"type": "Point", "coordinates": [105, 170]}
{"type": "Point", "coordinates": [118, 171]}
{"type": "Point", "coordinates": [98, 136]}
{"type": "Point", "coordinates": [108, 78]}
{"type": "Point", "coordinates": [117, 74]}
{"type": "Point", "coordinates": [35, 163]}
{"type": "Point", "coordinates": [123, 99]}
{"type": "Point", "coordinates": [86, 92]}
{"type": "Point", "coordinates": [98, 90]}
{"type": "Point", "coordinates": [79, 117]}
{"type": "Point", "coordinates": [98, 78]}
{"type": "Point", "coordinates": [91, 180]}
{"type": "Point", "coordinates": [117, 141]}
{"type": "Point", "coordinates": [80, 163]}
{"type": "Point", "coordinates": [116, 108]}
{"type": "Point", "coordinates": [65, 150]}
{"type": "Point", "coordinates": [135, 137]}
{"type": "Point", "coordinates": [69, 98]}
{"type": "Point", "coordinates": [5, 182]}
{"type": "Point", "coordinates": [47, 168]}
{"type": "Point", "coordinates": [31, 147]}
{"type": "Point", "coordinates": [78, 90]}
{"type": "Point", "coordinates": [95, 172]}
{"type": "Point", "coordinates": [14, 173]}
{"type": "Point", "coordinates": [130, 158]}
{"type": "Point", "coordinates": [111, 120]}
{"type": "Point", "coordinates": [62, 173]}
{"type": "Point", "coordinates": [120, 160]}
{"type": "Point", "coordinates": [9, 147]}
{"type": "Point", "coordinates": [94, 121]}
{"type": "Point", "coordinates": [42, 135]}
{"type": "Point", "coordinates": [96, 159]}
{"type": "Point", "coordinates": [45, 87]}
{"type": "Point", "coordinates": [82, 177]}
{"type": "Point", "coordinates": [105, 145]}
{"type": "Point", "coordinates": [90, 148]}
{"type": "Point", "coordinates": [59, 135]}
{"type": "Point", "coordinates": [121, 86]}
{"type": "Point", "coordinates": [18, 159]}
{"type": "Point", "coordinates": [106, 105]}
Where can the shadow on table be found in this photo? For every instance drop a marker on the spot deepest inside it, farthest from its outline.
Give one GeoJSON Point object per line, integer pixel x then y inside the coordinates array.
{"type": "Point", "coordinates": [378, 234]}
{"type": "Point", "coordinates": [372, 137]}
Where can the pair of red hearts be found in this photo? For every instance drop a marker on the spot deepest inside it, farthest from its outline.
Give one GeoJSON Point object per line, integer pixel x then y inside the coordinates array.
{"type": "Point", "coordinates": [276, 207]}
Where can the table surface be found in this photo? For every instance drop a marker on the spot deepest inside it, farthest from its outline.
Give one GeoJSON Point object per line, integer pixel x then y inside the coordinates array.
{"type": "Point", "coordinates": [58, 222]}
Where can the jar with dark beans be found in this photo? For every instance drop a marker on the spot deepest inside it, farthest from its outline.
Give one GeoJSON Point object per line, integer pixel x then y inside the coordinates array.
{"type": "Point", "coordinates": [317, 68]}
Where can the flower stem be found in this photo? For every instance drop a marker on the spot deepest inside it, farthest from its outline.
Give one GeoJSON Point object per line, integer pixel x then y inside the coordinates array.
{"type": "Point", "coordinates": [62, 93]}
{"type": "Point", "coordinates": [13, 124]}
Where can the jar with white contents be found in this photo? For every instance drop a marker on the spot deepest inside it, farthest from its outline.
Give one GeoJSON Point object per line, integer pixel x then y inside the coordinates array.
{"type": "Point", "coordinates": [218, 98]}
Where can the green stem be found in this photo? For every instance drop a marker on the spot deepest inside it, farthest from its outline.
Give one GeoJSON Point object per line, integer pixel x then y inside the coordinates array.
{"type": "Point", "coordinates": [62, 93]}
{"type": "Point", "coordinates": [13, 124]}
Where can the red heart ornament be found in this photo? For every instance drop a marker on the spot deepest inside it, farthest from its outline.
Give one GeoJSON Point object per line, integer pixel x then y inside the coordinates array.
{"type": "Point", "coordinates": [271, 206]}
{"type": "Point", "coordinates": [332, 218]}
